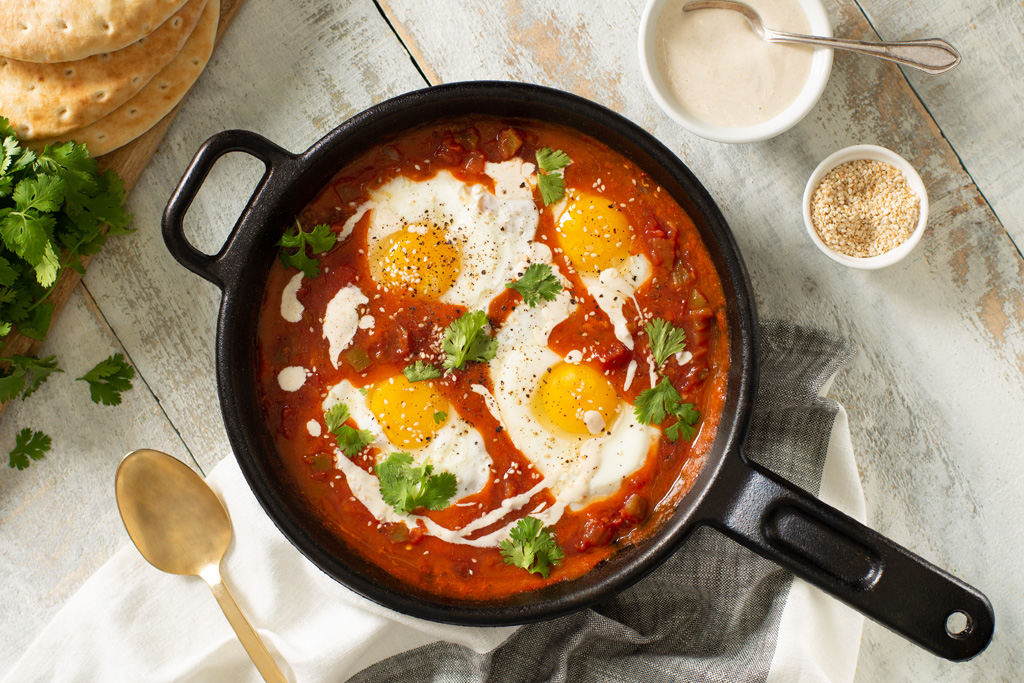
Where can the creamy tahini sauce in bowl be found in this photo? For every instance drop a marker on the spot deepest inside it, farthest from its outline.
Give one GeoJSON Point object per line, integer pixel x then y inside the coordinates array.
{"type": "Point", "coordinates": [710, 72]}
{"type": "Point", "coordinates": [719, 70]}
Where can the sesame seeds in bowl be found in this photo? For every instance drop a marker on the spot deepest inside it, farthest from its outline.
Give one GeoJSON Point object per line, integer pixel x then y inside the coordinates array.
{"type": "Point", "coordinates": [865, 207]}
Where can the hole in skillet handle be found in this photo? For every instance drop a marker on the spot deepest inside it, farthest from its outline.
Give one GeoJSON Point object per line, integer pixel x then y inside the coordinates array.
{"type": "Point", "coordinates": [958, 624]}
{"type": "Point", "coordinates": [225, 264]}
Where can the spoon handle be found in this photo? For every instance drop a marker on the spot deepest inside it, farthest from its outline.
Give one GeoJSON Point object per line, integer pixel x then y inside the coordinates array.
{"type": "Point", "coordinates": [251, 640]}
{"type": "Point", "coordinates": [933, 56]}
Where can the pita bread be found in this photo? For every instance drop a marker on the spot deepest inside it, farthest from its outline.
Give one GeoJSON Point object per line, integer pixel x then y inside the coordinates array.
{"type": "Point", "coordinates": [156, 99]}
{"type": "Point", "coordinates": [44, 100]}
{"type": "Point", "coordinates": [66, 30]}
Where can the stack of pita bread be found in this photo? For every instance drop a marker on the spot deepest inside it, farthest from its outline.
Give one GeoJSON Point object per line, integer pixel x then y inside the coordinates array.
{"type": "Point", "coordinates": [100, 72]}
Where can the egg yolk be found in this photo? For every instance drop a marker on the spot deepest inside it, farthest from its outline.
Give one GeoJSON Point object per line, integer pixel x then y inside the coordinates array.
{"type": "Point", "coordinates": [568, 392]}
{"type": "Point", "coordinates": [406, 410]}
{"type": "Point", "coordinates": [420, 259]}
{"type": "Point", "coordinates": [593, 233]}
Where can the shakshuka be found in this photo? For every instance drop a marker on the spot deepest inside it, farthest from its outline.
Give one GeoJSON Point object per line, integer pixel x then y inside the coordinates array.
{"type": "Point", "coordinates": [492, 352]}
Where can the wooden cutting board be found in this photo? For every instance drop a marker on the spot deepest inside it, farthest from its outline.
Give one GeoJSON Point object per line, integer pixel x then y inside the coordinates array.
{"type": "Point", "coordinates": [129, 162]}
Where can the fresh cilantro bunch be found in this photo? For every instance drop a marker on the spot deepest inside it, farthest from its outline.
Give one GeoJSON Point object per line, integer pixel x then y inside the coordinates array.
{"type": "Point", "coordinates": [53, 209]}
{"type": "Point", "coordinates": [406, 488]}
{"type": "Point", "coordinates": [351, 441]}
{"type": "Point", "coordinates": [293, 245]}
{"type": "Point", "coordinates": [537, 283]}
{"type": "Point", "coordinates": [465, 341]}
{"type": "Point", "coordinates": [531, 547]}
{"type": "Point", "coordinates": [551, 183]}
{"type": "Point", "coordinates": [653, 406]}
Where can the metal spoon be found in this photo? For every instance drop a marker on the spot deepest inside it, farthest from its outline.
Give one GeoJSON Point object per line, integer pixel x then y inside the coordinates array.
{"type": "Point", "coordinates": [932, 56]}
{"type": "Point", "coordinates": [179, 525]}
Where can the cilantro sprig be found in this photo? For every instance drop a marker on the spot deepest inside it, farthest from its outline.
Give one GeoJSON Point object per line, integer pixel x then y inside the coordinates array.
{"type": "Point", "coordinates": [550, 182]}
{"type": "Point", "coordinates": [465, 341]}
{"type": "Point", "coordinates": [28, 446]}
{"type": "Point", "coordinates": [531, 547]}
{"type": "Point", "coordinates": [16, 381]}
{"type": "Point", "coordinates": [655, 405]}
{"type": "Point", "coordinates": [55, 210]}
{"type": "Point", "coordinates": [108, 379]}
{"type": "Point", "coordinates": [293, 245]}
{"type": "Point", "coordinates": [665, 340]}
{"type": "Point", "coordinates": [351, 441]}
{"type": "Point", "coordinates": [537, 282]}
{"type": "Point", "coordinates": [406, 488]}
{"type": "Point", "coordinates": [419, 371]}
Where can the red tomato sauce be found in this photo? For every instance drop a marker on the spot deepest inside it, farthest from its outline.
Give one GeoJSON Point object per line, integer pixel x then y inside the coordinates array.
{"type": "Point", "coordinates": [684, 290]}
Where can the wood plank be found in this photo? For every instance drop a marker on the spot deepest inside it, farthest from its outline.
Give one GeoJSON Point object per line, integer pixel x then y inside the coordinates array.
{"type": "Point", "coordinates": [941, 333]}
{"type": "Point", "coordinates": [128, 162]}
{"type": "Point", "coordinates": [58, 520]}
{"type": "Point", "coordinates": [980, 105]}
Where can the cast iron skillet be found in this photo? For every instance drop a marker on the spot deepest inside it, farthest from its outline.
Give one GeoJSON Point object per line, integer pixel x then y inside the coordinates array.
{"type": "Point", "coordinates": [765, 513]}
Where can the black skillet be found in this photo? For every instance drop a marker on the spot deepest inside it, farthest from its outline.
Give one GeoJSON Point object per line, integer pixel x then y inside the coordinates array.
{"type": "Point", "coordinates": [765, 513]}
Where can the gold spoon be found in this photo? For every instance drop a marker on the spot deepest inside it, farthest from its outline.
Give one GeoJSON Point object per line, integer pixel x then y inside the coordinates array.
{"type": "Point", "coordinates": [180, 527]}
{"type": "Point", "coordinates": [932, 56]}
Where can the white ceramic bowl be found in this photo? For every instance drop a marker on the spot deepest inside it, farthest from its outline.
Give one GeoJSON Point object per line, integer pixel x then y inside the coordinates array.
{"type": "Point", "coordinates": [872, 153]}
{"type": "Point", "coordinates": [821, 67]}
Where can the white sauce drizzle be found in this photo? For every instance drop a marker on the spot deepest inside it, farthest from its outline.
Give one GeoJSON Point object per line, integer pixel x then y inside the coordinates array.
{"type": "Point", "coordinates": [291, 378]}
{"type": "Point", "coordinates": [341, 319]}
{"type": "Point", "coordinates": [291, 308]}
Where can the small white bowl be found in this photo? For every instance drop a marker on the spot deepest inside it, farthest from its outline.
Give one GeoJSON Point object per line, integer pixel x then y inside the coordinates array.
{"type": "Point", "coordinates": [821, 67]}
{"type": "Point", "coordinates": [871, 153]}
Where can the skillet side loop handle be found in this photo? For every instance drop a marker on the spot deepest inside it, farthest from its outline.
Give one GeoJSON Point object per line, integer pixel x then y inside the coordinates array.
{"type": "Point", "coordinates": [783, 523]}
{"type": "Point", "coordinates": [218, 267]}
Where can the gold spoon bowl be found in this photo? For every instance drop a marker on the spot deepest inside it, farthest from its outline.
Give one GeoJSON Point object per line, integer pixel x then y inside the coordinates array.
{"type": "Point", "coordinates": [180, 527]}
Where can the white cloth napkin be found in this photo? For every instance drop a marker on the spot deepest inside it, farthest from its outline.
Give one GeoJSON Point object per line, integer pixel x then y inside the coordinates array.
{"type": "Point", "coordinates": [131, 622]}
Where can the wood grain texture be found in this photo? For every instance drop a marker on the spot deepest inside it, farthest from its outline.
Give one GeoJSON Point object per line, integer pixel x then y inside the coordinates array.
{"type": "Point", "coordinates": [937, 388]}
{"type": "Point", "coordinates": [129, 162]}
{"type": "Point", "coordinates": [58, 519]}
{"type": "Point", "coordinates": [978, 106]}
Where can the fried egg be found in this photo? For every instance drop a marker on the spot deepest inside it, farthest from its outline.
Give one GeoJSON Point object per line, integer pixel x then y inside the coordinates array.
{"type": "Point", "coordinates": [448, 240]}
{"type": "Point", "coordinates": [414, 418]}
{"type": "Point", "coordinates": [595, 236]}
{"type": "Point", "coordinates": [566, 417]}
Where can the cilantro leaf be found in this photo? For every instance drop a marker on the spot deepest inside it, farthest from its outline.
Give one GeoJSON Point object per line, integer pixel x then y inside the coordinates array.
{"type": "Point", "coordinates": [664, 339]}
{"type": "Point", "coordinates": [537, 282]}
{"type": "Point", "coordinates": [13, 383]}
{"type": "Point", "coordinates": [419, 371]}
{"type": "Point", "coordinates": [552, 159]}
{"type": "Point", "coordinates": [653, 406]}
{"type": "Point", "coordinates": [28, 446]}
{"type": "Point", "coordinates": [465, 340]}
{"type": "Point", "coordinates": [108, 379]}
{"type": "Point", "coordinates": [552, 188]}
{"type": "Point", "coordinates": [406, 488]}
{"type": "Point", "coordinates": [440, 416]}
{"type": "Point", "coordinates": [551, 183]}
{"type": "Point", "coordinates": [350, 440]}
{"type": "Point", "coordinates": [319, 239]}
{"type": "Point", "coordinates": [531, 547]}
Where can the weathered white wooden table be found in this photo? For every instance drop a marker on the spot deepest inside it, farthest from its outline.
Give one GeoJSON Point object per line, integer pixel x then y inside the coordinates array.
{"type": "Point", "coordinates": [936, 396]}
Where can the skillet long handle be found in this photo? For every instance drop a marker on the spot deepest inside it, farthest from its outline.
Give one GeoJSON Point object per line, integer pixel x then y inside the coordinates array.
{"type": "Point", "coordinates": [783, 523]}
